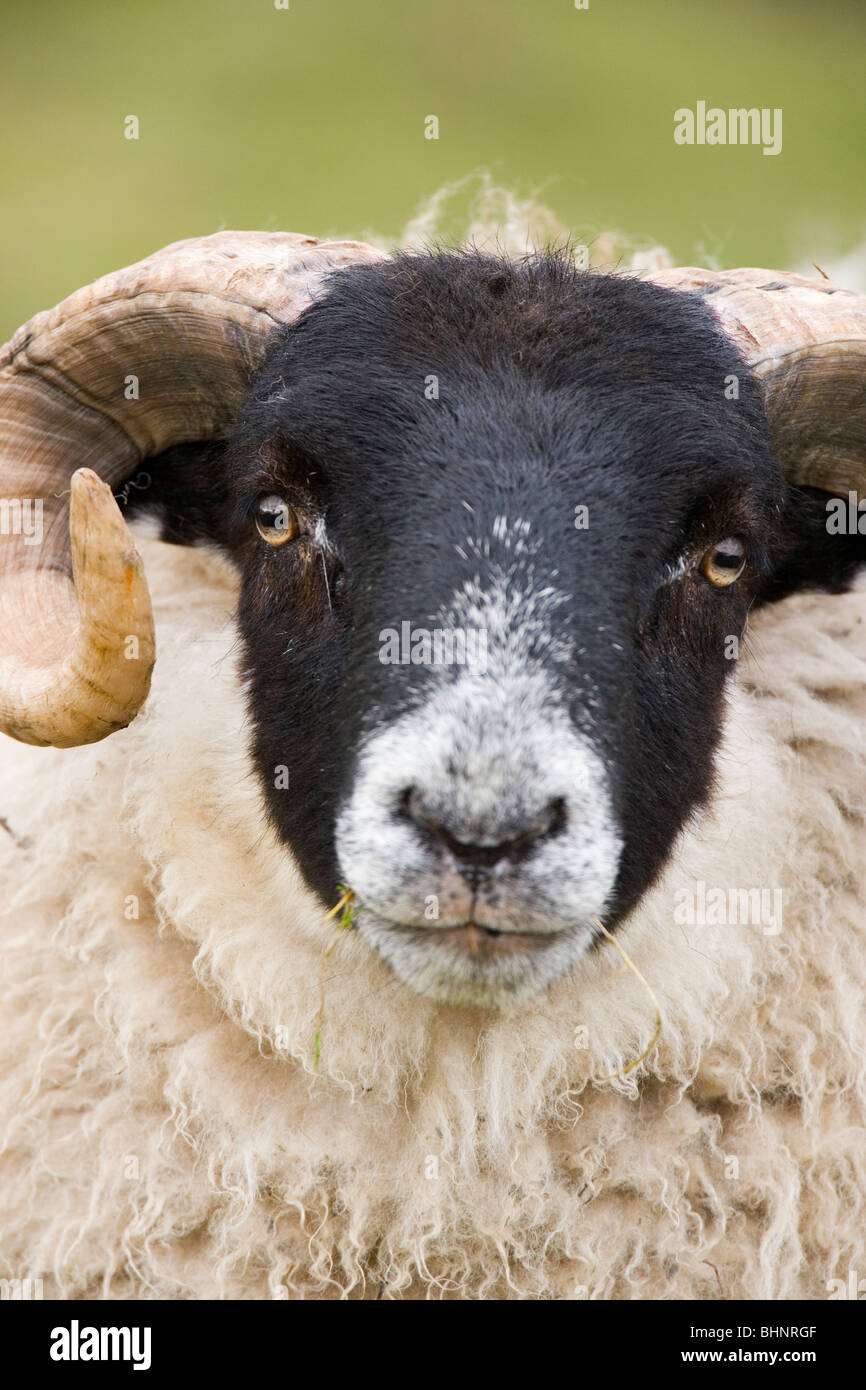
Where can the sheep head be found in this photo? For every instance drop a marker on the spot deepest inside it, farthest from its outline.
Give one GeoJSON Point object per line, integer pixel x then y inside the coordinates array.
{"type": "Point", "coordinates": [577, 485]}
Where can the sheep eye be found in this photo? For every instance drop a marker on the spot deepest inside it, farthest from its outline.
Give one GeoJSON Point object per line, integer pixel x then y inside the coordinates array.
{"type": "Point", "coordinates": [724, 563]}
{"type": "Point", "coordinates": [276, 522]}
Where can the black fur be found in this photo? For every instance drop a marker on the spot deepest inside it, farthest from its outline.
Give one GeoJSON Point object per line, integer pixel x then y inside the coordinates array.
{"type": "Point", "coordinates": [557, 388]}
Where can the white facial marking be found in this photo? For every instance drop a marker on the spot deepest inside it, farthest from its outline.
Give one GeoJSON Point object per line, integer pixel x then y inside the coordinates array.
{"type": "Point", "coordinates": [487, 754]}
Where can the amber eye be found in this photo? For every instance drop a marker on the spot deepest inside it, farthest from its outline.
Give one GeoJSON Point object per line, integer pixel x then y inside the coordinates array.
{"type": "Point", "coordinates": [725, 562]}
{"type": "Point", "coordinates": [276, 522]}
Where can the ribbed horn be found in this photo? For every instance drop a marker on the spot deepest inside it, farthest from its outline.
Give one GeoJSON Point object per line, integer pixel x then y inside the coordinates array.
{"type": "Point", "coordinates": [157, 354]}
{"type": "Point", "coordinates": [805, 340]}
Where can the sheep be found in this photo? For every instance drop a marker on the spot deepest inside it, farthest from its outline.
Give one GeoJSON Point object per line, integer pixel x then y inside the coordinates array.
{"type": "Point", "coordinates": [451, 1090]}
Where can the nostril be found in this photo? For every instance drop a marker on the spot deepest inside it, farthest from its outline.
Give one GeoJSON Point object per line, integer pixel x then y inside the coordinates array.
{"type": "Point", "coordinates": [409, 802]}
{"type": "Point", "coordinates": [482, 848]}
{"type": "Point", "coordinates": [555, 816]}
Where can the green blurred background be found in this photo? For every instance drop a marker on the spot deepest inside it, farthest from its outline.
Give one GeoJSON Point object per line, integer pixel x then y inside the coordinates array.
{"type": "Point", "coordinates": [312, 119]}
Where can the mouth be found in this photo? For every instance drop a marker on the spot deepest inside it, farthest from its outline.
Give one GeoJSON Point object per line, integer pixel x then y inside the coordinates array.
{"type": "Point", "coordinates": [480, 943]}
{"type": "Point", "coordinates": [473, 964]}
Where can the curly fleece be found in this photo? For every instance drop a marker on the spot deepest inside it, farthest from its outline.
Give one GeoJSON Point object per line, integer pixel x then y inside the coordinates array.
{"type": "Point", "coordinates": [197, 1103]}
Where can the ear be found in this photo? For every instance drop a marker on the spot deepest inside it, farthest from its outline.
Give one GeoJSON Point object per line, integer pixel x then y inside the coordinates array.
{"type": "Point", "coordinates": [183, 493]}
{"type": "Point", "coordinates": [823, 544]}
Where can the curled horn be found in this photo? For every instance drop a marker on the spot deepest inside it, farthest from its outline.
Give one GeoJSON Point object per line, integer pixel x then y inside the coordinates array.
{"type": "Point", "coordinates": [805, 340]}
{"type": "Point", "coordinates": [157, 354]}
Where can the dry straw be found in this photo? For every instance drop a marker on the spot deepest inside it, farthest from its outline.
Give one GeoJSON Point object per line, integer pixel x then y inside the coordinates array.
{"type": "Point", "coordinates": [624, 1071]}
{"type": "Point", "coordinates": [346, 906]}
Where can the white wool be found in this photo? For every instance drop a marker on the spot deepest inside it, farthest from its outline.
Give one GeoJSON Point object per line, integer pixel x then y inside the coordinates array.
{"type": "Point", "coordinates": [170, 1125]}
{"type": "Point", "coordinates": [165, 1129]}
{"type": "Point", "coordinates": [498, 221]}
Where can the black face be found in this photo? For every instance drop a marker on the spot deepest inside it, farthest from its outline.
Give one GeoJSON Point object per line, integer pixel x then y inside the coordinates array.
{"type": "Point", "coordinates": [576, 466]}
